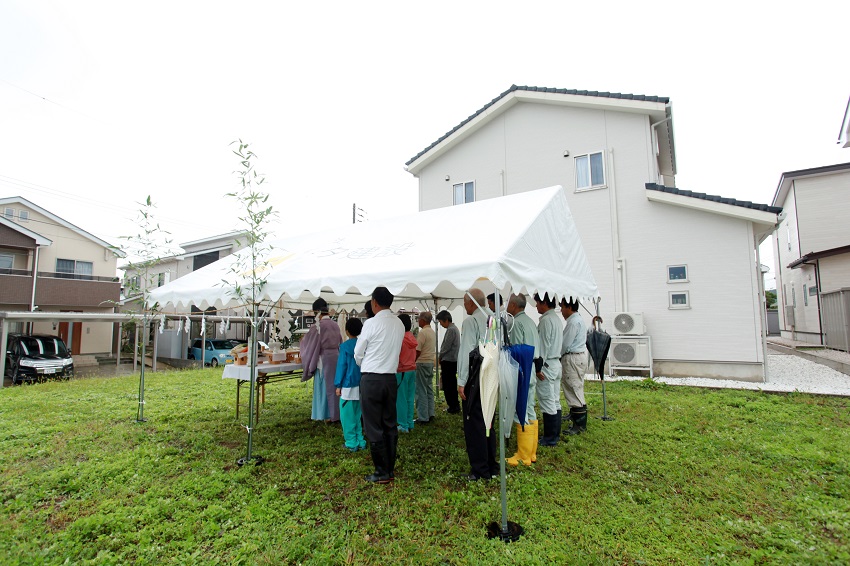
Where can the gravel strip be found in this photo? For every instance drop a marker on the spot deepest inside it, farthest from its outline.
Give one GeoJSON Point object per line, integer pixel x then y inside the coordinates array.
{"type": "Point", "coordinates": [785, 373]}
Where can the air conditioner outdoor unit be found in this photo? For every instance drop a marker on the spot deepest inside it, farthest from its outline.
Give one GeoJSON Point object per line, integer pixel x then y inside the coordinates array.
{"type": "Point", "coordinates": [630, 352]}
{"type": "Point", "coordinates": [628, 323]}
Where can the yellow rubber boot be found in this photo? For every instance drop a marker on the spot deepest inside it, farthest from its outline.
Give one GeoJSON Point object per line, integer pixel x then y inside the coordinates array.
{"type": "Point", "coordinates": [524, 443]}
{"type": "Point", "coordinates": [534, 429]}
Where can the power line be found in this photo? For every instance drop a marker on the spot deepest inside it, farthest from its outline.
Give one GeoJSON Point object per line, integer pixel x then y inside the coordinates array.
{"type": "Point", "coordinates": [44, 98]}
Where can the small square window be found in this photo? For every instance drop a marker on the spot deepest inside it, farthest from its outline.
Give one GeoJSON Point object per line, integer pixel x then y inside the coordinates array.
{"type": "Point", "coordinates": [590, 171]}
{"type": "Point", "coordinates": [9, 213]}
{"type": "Point", "coordinates": [24, 215]}
{"type": "Point", "coordinates": [677, 274]}
{"type": "Point", "coordinates": [679, 300]}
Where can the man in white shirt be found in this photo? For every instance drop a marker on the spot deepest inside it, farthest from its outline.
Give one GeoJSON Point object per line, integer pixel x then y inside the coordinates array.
{"type": "Point", "coordinates": [548, 366]}
{"type": "Point", "coordinates": [574, 365]}
{"type": "Point", "coordinates": [376, 353]}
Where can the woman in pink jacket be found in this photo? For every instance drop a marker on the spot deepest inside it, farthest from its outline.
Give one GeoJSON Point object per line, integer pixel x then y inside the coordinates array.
{"type": "Point", "coordinates": [406, 377]}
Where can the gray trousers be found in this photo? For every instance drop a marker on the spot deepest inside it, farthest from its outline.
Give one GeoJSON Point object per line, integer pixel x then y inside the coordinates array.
{"type": "Point", "coordinates": [573, 368]}
{"type": "Point", "coordinates": [548, 390]}
{"type": "Point", "coordinates": [424, 391]}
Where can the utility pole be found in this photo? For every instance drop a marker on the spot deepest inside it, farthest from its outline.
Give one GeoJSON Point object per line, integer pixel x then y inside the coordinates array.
{"type": "Point", "coordinates": [357, 214]}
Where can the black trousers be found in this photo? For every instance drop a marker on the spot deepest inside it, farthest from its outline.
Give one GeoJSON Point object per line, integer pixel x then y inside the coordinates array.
{"type": "Point", "coordinates": [377, 402]}
{"type": "Point", "coordinates": [448, 377]}
{"type": "Point", "coordinates": [480, 448]}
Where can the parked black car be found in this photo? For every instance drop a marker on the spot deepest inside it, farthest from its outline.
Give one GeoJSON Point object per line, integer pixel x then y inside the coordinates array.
{"type": "Point", "coordinates": [37, 358]}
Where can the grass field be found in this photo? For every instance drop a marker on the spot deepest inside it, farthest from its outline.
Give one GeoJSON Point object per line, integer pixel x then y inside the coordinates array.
{"type": "Point", "coordinates": [682, 476]}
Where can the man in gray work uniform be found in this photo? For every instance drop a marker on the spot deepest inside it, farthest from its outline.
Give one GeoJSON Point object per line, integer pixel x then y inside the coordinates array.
{"type": "Point", "coordinates": [574, 364]}
{"type": "Point", "coordinates": [548, 367]}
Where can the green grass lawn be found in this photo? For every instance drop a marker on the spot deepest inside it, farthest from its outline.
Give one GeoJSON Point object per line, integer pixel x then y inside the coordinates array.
{"type": "Point", "coordinates": [682, 476]}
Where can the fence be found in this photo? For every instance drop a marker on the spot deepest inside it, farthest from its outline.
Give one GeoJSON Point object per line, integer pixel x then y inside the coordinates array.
{"type": "Point", "coordinates": [835, 314]}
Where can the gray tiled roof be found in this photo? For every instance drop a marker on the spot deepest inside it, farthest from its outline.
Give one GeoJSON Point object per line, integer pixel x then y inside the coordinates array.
{"type": "Point", "coordinates": [642, 97]}
{"type": "Point", "coordinates": [714, 198]}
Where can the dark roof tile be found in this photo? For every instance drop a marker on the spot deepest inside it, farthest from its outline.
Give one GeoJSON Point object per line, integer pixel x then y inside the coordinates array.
{"type": "Point", "coordinates": [640, 97]}
{"type": "Point", "coordinates": [714, 198]}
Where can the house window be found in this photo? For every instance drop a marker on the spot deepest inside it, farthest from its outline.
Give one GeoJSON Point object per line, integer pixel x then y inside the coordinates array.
{"type": "Point", "coordinates": [6, 261]}
{"type": "Point", "coordinates": [24, 215]}
{"type": "Point", "coordinates": [463, 192]}
{"type": "Point", "coordinates": [9, 213]}
{"type": "Point", "coordinates": [77, 269]}
{"type": "Point", "coordinates": [160, 279]}
{"type": "Point", "coordinates": [677, 274]}
{"type": "Point", "coordinates": [679, 300]}
{"type": "Point", "coordinates": [590, 171]}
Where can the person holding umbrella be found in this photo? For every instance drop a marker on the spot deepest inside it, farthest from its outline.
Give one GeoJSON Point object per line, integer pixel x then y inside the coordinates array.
{"type": "Point", "coordinates": [524, 331]}
{"type": "Point", "coordinates": [547, 365]}
{"type": "Point", "coordinates": [480, 448]}
{"type": "Point", "coordinates": [574, 365]}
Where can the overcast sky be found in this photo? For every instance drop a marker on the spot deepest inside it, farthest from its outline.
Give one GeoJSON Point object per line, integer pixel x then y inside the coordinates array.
{"type": "Point", "coordinates": [106, 102]}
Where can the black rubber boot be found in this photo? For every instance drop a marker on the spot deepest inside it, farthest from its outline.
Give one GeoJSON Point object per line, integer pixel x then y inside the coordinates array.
{"type": "Point", "coordinates": [550, 428]}
{"type": "Point", "coordinates": [380, 475]}
{"type": "Point", "coordinates": [559, 423]}
{"type": "Point", "coordinates": [579, 420]}
{"type": "Point", "coordinates": [392, 450]}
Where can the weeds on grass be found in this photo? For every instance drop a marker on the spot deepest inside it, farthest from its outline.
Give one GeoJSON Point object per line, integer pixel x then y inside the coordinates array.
{"type": "Point", "coordinates": [682, 476]}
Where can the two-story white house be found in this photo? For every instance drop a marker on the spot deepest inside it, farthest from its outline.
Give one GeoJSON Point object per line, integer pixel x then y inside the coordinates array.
{"type": "Point", "coordinates": [812, 255]}
{"type": "Point", "coordinates": [686, 262]}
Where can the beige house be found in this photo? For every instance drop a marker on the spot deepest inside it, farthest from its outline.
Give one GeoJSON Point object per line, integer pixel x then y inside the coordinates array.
{"type": "Point", "coordinates": [682, 266]}
{"type": "Point", "coordinates": [812, 255]}
{"type": "Point", "coordinates": [49, 264]}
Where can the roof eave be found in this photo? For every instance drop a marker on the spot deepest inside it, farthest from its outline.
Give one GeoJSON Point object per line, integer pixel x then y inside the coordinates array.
{"type": "Point", "coordinates": [758, 217]}
{"type": "Point", "coordinates": [657, 111]}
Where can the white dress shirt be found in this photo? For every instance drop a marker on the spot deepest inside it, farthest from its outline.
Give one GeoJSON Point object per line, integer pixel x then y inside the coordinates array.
{"type": "Point", "coordinates": [379, 344]}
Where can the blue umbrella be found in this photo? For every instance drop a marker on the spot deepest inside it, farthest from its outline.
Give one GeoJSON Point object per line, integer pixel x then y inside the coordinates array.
{"type": "Point", "coordinates": [524, 355]}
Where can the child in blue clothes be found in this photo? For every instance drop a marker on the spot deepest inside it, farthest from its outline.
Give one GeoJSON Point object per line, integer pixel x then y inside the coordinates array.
{"type": "Point", "coordinates": [347, 383]}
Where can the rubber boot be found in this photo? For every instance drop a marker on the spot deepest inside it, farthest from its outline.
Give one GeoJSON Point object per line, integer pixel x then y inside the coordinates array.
{"type": "Point", "coordinates": [524, 446]}
{"type": "Point", "coordinates": [559, 423]}
{"type": "Point", "coordinates": [535, 440]}
{"type": "Point", "coordinates": [579, 424]}
{"type": "Point", "coordinates": [380, 474]}
{"type": "Point", "coordinates": [392, 451]}
{"type": "Point", "coordinates": [550, 429]}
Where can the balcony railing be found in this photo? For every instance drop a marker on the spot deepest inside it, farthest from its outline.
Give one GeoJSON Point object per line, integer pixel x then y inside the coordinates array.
{"type": "Point", "coordinates": [76, 276]}
{"type": "Point", "coordinates": [7, 271]}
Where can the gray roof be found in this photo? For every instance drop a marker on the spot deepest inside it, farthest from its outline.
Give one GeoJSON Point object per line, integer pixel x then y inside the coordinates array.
{"type": "Point", "coordinates": [642, 97]}
{"type": "Point", "coordinates": [714, 198]}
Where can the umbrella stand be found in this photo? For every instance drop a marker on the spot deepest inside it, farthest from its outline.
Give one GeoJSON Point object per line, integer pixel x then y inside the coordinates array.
{"type": "Point", "coordinates": [597, 326]}
{"type": "Point", "coordinates": [507, 531]}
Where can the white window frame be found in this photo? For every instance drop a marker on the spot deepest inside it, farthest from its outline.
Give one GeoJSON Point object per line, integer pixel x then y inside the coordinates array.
{"type": "Point", "coordinates": [9, 213]}
{"type": "Point", "coordinates": [591, 187]}
{"type": "Point", "coordinates": [671, 280]}
{"type": "Point", "coordinates": [462, 186]}
{"type": "Point", "coordinates": [24, 215]}
{"type": "Point", "coordinates": [76, 267]}
{"type": "Point", "coordinates": [678, 306]}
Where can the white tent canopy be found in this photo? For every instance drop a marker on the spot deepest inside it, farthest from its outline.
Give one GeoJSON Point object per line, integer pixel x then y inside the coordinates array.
{"type": "Point", "coordinates": [526, 242]}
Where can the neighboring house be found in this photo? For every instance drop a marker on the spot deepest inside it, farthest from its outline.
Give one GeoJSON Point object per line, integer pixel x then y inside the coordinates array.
{"type": "Point", "coordinates": [812, 254]}
{"type": "Point", "coordinates": [196, 254]}
{"type": "Point", "coordinates": [688, 262]}
{"type": "Point", "coordinates": [49, 264]}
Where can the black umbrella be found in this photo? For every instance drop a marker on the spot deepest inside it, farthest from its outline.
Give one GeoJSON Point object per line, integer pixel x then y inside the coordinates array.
{"type": "Point", "coordinates": [598, 344]}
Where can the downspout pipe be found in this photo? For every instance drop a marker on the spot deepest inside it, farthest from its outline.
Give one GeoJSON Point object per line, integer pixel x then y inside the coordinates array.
{"type": "Point", "coordinates": [34, 277]}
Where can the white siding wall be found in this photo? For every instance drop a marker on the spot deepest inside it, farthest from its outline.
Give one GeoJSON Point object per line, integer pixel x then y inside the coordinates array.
{"type": "Point", "coordinates": [835, 273]}
{"type": "Point", "coordinates": [823, 205]}
{"type": "Point", "coordinates": [528, 144]}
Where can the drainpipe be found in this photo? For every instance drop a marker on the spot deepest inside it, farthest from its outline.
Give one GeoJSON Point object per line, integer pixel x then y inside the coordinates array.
{"type": "Point", "coordinates": [503, 182]}
{"type": "Point", "coordinates": [817, 286]}
{"type": "Point", "coordinates": [615, 236]}
{"type": "Point", "coordinates": [762, 309]}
